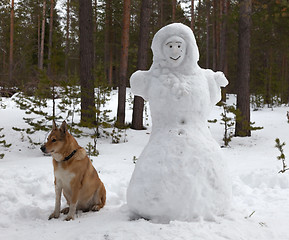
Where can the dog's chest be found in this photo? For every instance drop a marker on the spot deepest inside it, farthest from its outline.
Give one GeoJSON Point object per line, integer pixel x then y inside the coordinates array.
{"type": "Point", "coordinates": [63, 177]}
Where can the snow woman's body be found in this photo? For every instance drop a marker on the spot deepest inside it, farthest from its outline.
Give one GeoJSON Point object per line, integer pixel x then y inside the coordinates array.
{"type": "Point", "coordinates": [180, 175]}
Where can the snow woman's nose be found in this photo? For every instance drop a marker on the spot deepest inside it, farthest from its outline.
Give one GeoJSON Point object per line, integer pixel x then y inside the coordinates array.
{"type": "Point", "coordinates": [175, 49]}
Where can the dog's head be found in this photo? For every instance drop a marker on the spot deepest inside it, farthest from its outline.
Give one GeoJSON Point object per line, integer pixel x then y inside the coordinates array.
{"type": "Point", "coordinates": [56, 140]}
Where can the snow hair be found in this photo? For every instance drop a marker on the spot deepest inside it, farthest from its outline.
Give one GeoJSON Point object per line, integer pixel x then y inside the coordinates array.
{"type": "Point", "coordinates": [190, 63]}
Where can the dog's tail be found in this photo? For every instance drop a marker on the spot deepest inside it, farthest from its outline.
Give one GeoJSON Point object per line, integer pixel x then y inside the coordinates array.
{"type": "Point", "coordinates": [103, 196]}
{"type": "Point", "coordinates": [99, 198]}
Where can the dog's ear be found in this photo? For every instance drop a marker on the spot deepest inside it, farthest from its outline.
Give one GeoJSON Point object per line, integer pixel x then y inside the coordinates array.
{"type": "Point", "coordinates": [63, 128]}
{"type": "Point", "coordinates": [54, 127]}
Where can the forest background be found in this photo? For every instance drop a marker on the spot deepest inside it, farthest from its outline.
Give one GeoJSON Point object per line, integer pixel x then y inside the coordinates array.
{"type": "Point", "coordinates": [43, 48]}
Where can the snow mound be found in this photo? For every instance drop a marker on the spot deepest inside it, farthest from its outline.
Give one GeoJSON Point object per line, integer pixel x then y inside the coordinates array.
{"type": "Point", "coordinates": [263, 179]}
{"type": "Point", "coordinates": [259, 209]}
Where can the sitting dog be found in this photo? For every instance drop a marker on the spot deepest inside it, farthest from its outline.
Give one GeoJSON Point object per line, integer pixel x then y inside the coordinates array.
{"type": "Point", "coordinates": [74, 174]}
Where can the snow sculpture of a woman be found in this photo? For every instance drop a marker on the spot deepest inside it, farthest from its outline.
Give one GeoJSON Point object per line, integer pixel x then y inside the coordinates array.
{"type": "Point", "coordinates": [180, 175]}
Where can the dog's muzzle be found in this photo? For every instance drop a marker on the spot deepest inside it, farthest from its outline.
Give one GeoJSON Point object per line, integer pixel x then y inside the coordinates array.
{"type": "Point", "coordinates": [43, 148]}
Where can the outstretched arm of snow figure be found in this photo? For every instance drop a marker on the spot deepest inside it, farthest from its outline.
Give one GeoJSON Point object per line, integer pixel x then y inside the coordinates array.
{"type": "Point", "coordinates": [139, 84]}
{"type": "Point", "coordinates": [216, 80]}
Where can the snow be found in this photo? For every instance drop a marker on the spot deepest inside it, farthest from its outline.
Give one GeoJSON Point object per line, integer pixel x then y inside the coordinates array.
{"type": "Point", "coordinates": [27, 190]}
{"type": "Point", "coordinates": [181, 174]}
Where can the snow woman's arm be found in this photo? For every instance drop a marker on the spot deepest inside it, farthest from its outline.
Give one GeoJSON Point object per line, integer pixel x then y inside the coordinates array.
{"type": "Point", "coordinates": [139, 84]}
{"type": "Point", "coordinates": [216, 80]}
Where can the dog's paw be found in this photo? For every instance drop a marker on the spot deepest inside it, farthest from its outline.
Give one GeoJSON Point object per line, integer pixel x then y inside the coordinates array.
{"type": "Point", "coordinates": [65, 210]}
{"type": "Point", "coordinates": [95, 208]}
{"type": "Point", "coordinates": [68, 218]}
{"type": "Point", "coordinates": [54, 215]}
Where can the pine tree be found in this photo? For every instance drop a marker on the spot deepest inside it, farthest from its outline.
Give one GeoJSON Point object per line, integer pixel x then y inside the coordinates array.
{"type": "Point", "coordinates": [67, 40]}
{"type": "Point", "coordinates": [228, 122]}
{"type": "Point", "coordinates": [3, 143]}
{"type": "Point", "coordinates": [108, 41]}
{"type": "Point", "coordinates": [41, 60]}
{"type": "Point", "coordinates": [11, 44]}
{"type": "Point", "coordinates": [50, 37]}
{"type": "Point", "coordinates": [193, 15]}
{"type": "Point", "coordinates": [70, 100]}
{"type": "Point", "coordinates": [243, 73]}
{"type": "Point", "coordinates": [280, 146]}
{"type": "Point", "coordinates": [123, 65]}
{"type": "Point", "coordinates": [86, 63]}
{"type": "Point", "coordinates": [146, 8]}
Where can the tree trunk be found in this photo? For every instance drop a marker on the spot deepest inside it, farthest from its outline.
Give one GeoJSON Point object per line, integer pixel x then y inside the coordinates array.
{"type": "Point", "coordinates": [223, 63]}
{"type": "Point", "coordinates": [123, 64]}
{"type": "Point", "coordinates": [95, 31]}
{"type": "Point", "coordinates": [286, 77]}
{"type": "Point", "coordinates": [192, 15]}
{"type": "Point", "coordinates": [110, 64]}
{"type": "Point", "coordinates": [223, 38]}
{"type": "Point", "coordinates": [38, 39]}
{"type": "Point", "coordinates": [215, 47]}
{"type": "Point", "coordinates": [218, 29]}
{"type": "Point", "coordinates": [199, 20]}
{"type": "Point", "coordinates": [4, 60]}
{"type": "Point", "coordinates": [86, 63]}
{"type": "Point", "coordinates": [161, 13]}
{"type": "Point", "coordinates": [107, 42]}
{"type": "Point", "coordinates": [67, 42]}
{"type": "Point", "coordinates": [243, 72]}
{"type": "Point", "coordinates": [146, 9]}
{"type": "Point", "coordinates": [174, 4]}
{"type": "Point", "coordinates": [50, 37]}
{"type": "Point", "coordinates": [270, 74]}
{"type": "Point", "coordinates": [208, 6]}
{"type": "Point", "coordinates": [42, 36]}
{"type": "Point", "coordinates": [11, 83]}
{"type": "Point", "coordinates": [285, 96]}
{"type": "Point", "coordinates": [282, 87]}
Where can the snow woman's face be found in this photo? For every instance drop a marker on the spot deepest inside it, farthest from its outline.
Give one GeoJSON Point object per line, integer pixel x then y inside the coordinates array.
{"type": "Point", "coordinates": [174, 50]}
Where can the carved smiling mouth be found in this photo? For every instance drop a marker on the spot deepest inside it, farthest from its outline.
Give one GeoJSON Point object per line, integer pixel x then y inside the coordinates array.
{"type": "Point", "coordinates": [175, 59]}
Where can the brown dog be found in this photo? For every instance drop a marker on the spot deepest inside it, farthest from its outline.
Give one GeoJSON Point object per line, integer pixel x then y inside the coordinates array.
{"type": "Point", "coordinates": [74, 174]}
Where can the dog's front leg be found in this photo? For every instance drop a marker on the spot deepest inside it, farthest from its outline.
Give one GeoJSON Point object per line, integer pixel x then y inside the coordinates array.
{"type": "Point", "coordinates": [73, 202]}
{"type": "Point", "coordinates": [58, 190]}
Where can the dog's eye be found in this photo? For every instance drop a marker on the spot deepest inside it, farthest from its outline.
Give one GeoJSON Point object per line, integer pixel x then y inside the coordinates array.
{"type": "Point", "coordinates": [53, 140]}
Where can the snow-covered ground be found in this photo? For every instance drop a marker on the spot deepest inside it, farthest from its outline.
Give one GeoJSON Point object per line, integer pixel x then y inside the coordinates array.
{"type": "Point", "coordinates": [260, 208]}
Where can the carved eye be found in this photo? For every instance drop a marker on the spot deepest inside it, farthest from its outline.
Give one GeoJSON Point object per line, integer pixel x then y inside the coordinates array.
{"type": "Point", "coordinates": [53, 140]}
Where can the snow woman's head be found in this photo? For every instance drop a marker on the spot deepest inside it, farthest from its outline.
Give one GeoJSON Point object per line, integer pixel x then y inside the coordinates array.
{"type": "Point", "coordinates": [174, 46]}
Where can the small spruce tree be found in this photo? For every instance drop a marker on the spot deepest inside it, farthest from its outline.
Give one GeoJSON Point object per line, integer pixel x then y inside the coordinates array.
{"type": "Point", "coordinates": [246, 125]}
{"type": "Point", "coordinates": [69, 104]}
{"type": "Point", "coordinates": [36, 106]}
{"type": "Point", "coordinates": [102, 96]}
{"type": "Point", "coordinates": [3, 143]}
{"type": "Point", "coordinates": [281, 157]}
{"type": "Point", "coordinates": [228, 123]}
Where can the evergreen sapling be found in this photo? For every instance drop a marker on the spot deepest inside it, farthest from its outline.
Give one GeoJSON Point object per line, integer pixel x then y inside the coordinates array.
{"type": "Point", "coordinates": [3, 143]}
{"type": "Point", "coordinates": [228, 123]}
{"type": "Point", "coordinates": [36, 106]}
{"type": "Point", "coordinates": [102, 96]}
{"type": "Point", "coordinates": [70, 102]}
{"type": "Point", "coordinates": [281, 157]}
